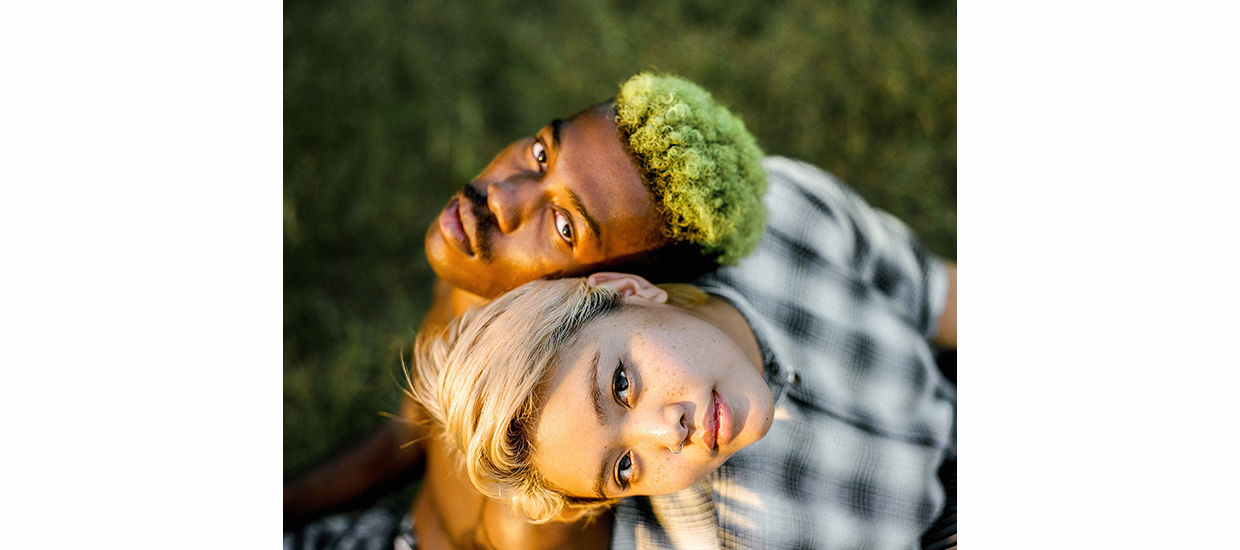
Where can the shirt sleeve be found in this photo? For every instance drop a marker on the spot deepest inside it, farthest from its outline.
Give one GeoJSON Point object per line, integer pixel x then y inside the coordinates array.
{"type": "Point", "coordinates": [824, 218]}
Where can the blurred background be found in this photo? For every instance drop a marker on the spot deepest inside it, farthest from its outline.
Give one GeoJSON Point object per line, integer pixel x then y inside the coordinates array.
{"type": "Point", "coordinates": [391, 105]}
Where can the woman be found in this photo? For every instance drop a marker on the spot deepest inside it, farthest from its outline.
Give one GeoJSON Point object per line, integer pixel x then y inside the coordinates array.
{"type": "Point", "coordinates": [568, 395]}
{"type": "Point", "coordinates": [808, 364]}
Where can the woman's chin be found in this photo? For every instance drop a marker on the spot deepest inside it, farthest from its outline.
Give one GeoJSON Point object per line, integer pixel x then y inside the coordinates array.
{"type": "Point", "coordinates": [756, 425]}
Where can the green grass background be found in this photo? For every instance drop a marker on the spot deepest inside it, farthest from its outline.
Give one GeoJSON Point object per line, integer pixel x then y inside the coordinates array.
{"type": "Point", "coordinates": [389, 106]}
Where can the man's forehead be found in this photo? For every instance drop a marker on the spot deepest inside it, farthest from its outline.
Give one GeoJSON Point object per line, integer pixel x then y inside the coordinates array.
{"type": "Point", "coordinates": [600, 110]}
{"type": "Point", "coordinates": [608, 184]}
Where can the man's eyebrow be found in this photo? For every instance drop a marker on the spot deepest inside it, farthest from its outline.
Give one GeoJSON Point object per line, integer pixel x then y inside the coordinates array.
{"type": "Point", "coordinates": [591, 221]}
{"type": "Point", "coordinates": [556, 125]}
{"type": "Point", "coordinates": [601, 414]}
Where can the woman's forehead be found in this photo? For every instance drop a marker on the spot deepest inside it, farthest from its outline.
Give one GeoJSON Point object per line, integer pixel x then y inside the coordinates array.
{"type": "Point", "coordinates": [569, 440]}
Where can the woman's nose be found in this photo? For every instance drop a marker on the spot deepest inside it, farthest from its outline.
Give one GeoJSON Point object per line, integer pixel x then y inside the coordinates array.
{"type": "Point", "coordinates": [512, 201]}
{"type": "Point", "coordinates": [666, 427]}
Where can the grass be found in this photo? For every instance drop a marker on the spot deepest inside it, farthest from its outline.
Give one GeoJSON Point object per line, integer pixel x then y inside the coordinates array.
{"type": "Point", "coordinates": [391, 105]}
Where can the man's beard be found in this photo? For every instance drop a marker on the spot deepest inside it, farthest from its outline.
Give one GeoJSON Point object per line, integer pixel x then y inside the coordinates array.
{"type": "Point", "coordinates": [485, 222]}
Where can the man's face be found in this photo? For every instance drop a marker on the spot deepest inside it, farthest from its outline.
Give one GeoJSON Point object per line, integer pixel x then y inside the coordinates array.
{"type": "Point", "coordinates": [566, 201]}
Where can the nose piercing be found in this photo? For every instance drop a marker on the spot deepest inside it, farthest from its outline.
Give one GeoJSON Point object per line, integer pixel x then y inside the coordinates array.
{"type": "Point", "coordinates": [681, 448]}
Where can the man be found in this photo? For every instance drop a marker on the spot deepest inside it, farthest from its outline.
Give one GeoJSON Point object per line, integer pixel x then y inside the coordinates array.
{"type": "Point", "coordinates": [669, 192]}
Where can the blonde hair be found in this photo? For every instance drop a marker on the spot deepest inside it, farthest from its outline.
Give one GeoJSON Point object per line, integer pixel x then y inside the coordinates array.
{"type": "Point", "coordinates": [481, 381]}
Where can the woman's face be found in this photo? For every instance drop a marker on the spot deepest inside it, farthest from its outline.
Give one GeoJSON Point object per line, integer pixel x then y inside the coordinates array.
{"type": "Point", "coordinates": [634, 387]}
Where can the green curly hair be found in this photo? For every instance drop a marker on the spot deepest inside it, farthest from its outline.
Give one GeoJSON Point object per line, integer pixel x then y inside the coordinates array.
{"type": "Point", "coordinates": [702, 165]}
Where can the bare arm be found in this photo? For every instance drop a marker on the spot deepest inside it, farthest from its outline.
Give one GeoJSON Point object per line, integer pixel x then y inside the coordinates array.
{"type": "Point", "coordinates": [500, 529]}
{"type": "Point", "coordinates": [356, 476]}
{"type": "Point", "coordinates": [383, 459]}
{"type": "Point", "coordinates": [504, 529]}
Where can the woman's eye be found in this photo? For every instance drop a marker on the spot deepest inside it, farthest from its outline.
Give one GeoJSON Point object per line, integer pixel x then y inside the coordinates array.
{"type": "Point", "coordinates": [563, 227]}
{"type": "Point", "coordinates": [620, 385]}
{"type": "Point", "coordinates": [624, 470]}
{"type": "Point", "coordinates": [540, 152]}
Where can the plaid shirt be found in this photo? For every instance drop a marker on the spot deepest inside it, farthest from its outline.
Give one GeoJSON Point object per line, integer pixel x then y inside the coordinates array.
{"type": "Point", "coordinates": [842, 299]}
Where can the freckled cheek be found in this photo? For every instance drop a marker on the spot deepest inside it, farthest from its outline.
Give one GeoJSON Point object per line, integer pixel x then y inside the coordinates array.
{"type": "Point", "coordinates": [671, 367]}
{"type": "Point", "coordinates": [672, 475]}
{"type": "Point", "coordinates": [673, 385]}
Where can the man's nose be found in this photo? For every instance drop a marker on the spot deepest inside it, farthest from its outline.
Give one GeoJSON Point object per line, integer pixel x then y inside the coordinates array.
{"type": "Point", "coordinates": [513, 201]}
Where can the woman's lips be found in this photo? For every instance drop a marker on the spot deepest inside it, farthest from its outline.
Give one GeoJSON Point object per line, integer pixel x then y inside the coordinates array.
{"type": "Point", "coordinates": [723, 422]}
{"type": "Point", "coordinates": [710, 426]}
{"type": "Point", "coordinates": [718, 429]}
{"type": "Point", "coordinates": [453, 229]}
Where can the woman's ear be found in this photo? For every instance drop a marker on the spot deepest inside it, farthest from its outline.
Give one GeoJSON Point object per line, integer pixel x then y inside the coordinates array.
{"type": "Point", "coordinates": [629, 286]}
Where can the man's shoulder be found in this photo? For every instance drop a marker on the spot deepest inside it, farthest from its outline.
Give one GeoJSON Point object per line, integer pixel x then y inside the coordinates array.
{"type": "Point", "coordinates": [792, 183]}
{"type": "Point", "coordinates": [798, 171]}
{"type": "Point", "coordinates": [447, 302]}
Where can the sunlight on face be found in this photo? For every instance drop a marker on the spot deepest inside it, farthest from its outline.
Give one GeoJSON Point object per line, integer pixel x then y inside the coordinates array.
{"type": "Point", "coordinates": [634, 387]}
{"type": "Point", "coordinates": [558, 203]}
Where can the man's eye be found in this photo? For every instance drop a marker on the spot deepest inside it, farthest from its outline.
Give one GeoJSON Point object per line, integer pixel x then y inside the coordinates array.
{"type": "Point", "coordinates": [624, 470]}
{"type": "Point", "coordinates": [540, 152]}
{"type": "Point", "coordinates": [563, 226]}
{"type": "Point", "coordinates": [620, 385]}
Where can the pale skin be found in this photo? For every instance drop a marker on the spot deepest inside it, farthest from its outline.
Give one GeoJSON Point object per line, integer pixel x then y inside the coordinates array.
{"type": "Point", "coordinates": [676, 391]}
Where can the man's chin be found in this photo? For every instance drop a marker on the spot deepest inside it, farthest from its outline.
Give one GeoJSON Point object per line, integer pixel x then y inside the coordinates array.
{"type": "Point", "coordinates": [459, 271]}
{"type": "Point", "coordinates": [440, 256]}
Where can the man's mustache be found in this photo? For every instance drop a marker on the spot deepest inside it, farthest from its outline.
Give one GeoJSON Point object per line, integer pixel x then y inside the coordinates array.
{"type": "Point", "coordinates": [485, 221]}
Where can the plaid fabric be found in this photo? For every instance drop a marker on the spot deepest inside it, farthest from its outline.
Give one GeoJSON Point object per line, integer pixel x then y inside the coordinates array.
{"type": "Point", "coordinates": [383, 527]}
{"type": "Point", "coordinates": [842, 299]}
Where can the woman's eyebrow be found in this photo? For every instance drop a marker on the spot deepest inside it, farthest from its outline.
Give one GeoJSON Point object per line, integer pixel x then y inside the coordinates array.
{"type": "Point", "coordinates": [601, 414]}
{"type": "Point", "coordinates": [596, 394]}
{"type": "Point", "coordinates": [601, 482]}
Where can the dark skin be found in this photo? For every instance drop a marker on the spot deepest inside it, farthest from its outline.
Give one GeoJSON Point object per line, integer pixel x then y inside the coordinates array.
{"type": "Point", "coordinates": [543, 207]}
{"type": "Point", "coordinates": [566, 201]}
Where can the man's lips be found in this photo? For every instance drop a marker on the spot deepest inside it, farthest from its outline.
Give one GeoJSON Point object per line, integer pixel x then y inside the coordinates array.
{"type": "Point", "coordinates": [453, 227]}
